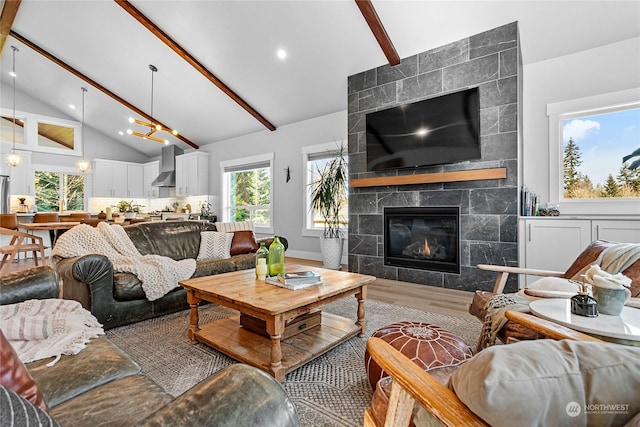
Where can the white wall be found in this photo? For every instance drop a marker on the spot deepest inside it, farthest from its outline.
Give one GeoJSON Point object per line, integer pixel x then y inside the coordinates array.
{"type": "Point", "coordinates": [97, 144]}
{"type": "Point", "coordinates": [286, 144]}
{"type": "Point", "coordinates": [602, 70]}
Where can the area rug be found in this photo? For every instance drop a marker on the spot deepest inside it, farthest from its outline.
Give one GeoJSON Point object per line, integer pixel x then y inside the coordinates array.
{"type": "Point", "coordinates": [331, 390]}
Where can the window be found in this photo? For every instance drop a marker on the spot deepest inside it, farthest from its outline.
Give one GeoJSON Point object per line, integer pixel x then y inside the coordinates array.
{"type": "Point", "coordinates": [598, 158]}
{"type": "Point", "coordinates": [594, 144]}
{"type": "Point", "coordinates": [52, 188]}
{"type": "Point", "coordinates": [247, 191]}
{"type": "Point", "coordinates": [314, 158]}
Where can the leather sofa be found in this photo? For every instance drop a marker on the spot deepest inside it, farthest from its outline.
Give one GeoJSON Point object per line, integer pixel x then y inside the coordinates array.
{"type": "Point", "coordinates": [117, 299]}
{"type": "Point", "coordinates": [102, 385]}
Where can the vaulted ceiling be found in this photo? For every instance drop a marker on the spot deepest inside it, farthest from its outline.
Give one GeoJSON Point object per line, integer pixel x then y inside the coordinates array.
{"type": "Point", "coordinates": [236, 43]}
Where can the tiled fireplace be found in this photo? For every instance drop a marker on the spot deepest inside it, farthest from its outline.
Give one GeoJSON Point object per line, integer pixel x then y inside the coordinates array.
{"type": "Point", "coordinates": [488, 208]}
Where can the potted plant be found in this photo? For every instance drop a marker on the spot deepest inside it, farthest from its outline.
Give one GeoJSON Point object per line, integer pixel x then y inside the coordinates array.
{"type": "Point", "coordinates": [130, 209]}
{"type": "Point", "coordinates": [328, 194]}
{"type": "Point", "coordinates": [206, 213]}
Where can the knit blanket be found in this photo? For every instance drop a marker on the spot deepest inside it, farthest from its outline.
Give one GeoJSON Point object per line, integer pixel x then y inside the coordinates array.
{"type": "Point", "coordinates": [495, 318]}
{"type": "Point", "coordinates": [38, 329]}
{"type": "Point", "coordinates": [158, 274]}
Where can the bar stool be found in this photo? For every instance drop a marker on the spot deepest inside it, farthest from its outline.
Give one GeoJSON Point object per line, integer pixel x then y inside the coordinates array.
{"type": "Point", "coordinates": [48, 217]}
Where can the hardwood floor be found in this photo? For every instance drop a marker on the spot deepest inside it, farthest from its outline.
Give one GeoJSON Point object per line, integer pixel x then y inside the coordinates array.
{"type": "Point", "coordinates": [449, 302]}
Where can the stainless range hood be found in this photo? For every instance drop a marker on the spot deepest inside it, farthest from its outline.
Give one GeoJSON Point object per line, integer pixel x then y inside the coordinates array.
{"type": "Point", "coordinates": [167, 177]}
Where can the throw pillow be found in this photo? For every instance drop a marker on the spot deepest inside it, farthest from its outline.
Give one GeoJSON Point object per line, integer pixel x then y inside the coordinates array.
{"type": "Point", "coordinates": [214, 245]}
{"type": "Point", "coordinates": [546, 382]}
{"type": "Point", "coordinates": [18, 411]}
{"type": "Point", "coordinates": [15, 376]}
{"type": "Point", "coordinates": [230, 227]}
{"type": "Point", "coordinates": [244, 242]}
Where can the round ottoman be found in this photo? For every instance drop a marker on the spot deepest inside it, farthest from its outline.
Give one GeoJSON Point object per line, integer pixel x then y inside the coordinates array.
{"type": "Point", "coordinates": [428, 346]}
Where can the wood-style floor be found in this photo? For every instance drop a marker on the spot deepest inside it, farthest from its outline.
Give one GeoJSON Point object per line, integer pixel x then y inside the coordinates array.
{"type": "Point", "coordinates": [450, 302]}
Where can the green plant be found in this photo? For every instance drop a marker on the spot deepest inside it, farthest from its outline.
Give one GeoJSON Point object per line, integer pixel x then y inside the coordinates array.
{"type": "Point", "coordinates": [124, 206]}
{"type": "Point", "coordinates": [328, 193]}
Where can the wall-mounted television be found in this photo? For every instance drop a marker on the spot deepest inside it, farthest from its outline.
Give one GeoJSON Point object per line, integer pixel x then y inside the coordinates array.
{"type": "Point", "coordinates": [434, 131]}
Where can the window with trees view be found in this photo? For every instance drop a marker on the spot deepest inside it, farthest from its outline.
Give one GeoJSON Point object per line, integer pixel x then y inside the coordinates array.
{"type": "Point", "coordinates": [314, 158]}
{"type": "Point", "coordinates": [248, 191]}
{"type": "Point", "coordinates": [53, 187]}
{"type": "Point", "coordinates": [601, 155]}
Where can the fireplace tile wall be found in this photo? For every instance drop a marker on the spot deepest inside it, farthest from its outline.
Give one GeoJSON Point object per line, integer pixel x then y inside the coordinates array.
{"type": "Point", "coordinates": [488, 208]}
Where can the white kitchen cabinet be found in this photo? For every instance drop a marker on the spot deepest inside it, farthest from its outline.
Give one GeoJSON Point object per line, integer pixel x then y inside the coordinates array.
{"type": "Point", "coordinates": [22, 177]}
{"type": "Point", "coordinates": [109, 178]}
{"type": "Point", "coordinates": [192, 174]}
{"type": "Point", "coordinates": [150, 172]}
{"type": "Point", "coordinates": [135, 180]}
{"type": "Point", "coordinates": [616, 231]}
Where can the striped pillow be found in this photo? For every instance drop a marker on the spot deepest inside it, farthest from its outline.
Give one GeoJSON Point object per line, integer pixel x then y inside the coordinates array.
{"type": "Point", "coordinates": [214, 245]}
{"type": "Point", "coordinates": [230, 227]}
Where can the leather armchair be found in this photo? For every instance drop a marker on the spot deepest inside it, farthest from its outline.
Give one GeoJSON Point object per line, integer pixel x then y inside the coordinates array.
{"type": "Point", "coordinates": [35, 283]}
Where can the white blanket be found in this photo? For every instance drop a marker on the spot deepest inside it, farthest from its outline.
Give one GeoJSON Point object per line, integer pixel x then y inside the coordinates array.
{"type": "Point", "coordinates": [38, 329]}
{"type": "Point", "coordinates": [158, 274]}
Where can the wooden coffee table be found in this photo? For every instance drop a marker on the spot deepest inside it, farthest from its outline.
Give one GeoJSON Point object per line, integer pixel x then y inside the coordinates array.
{"type": "Point", "coordinates": [277, 308]}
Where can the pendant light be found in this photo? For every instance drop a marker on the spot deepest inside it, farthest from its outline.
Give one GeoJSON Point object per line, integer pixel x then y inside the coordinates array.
{"type": "Point", "coordinates": [153, 127]}
{"type": "Point", "coordinates": [14, 159]}
{"type": "Point", "coordinates": [83, 165]}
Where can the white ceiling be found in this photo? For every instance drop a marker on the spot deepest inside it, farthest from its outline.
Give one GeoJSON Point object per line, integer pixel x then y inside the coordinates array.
{"type": "Point", "coordinates": [237, 41]}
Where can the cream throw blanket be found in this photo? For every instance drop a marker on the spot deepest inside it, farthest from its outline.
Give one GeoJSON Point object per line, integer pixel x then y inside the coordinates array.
{"type": "Point", "coordinates": [38, 329]}
{"type": "Point", "coordinates": [158, 274]}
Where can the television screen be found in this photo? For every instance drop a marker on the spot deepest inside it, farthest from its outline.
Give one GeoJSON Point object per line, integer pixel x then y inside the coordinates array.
{"type": "Point", "coordinates": [440, 130]}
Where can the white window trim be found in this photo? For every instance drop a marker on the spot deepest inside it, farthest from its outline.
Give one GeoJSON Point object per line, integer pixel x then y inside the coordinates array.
{"type": "Point", "coordinates": [261, 158]}
{"type": "Point", "coordinates": [309, 151]}
{"type": "Point", "coordinates": [559, 111]}
{"type": "Point", "coordinates": [30, 136]}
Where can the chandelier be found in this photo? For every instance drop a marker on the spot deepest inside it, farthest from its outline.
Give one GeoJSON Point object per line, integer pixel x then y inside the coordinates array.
{"type": "Point", "coordinates": [153, 127]}
{"type": "Point", "coordinates": [83, 165]}
{"type": "Point", "coordinates": [14, 159]}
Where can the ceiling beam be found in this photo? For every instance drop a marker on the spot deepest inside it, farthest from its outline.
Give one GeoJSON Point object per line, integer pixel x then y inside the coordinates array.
{"type": "Point", "coordinates": [173, 45]}
{"type": "Point", "coordinates": [97, 85]}
{"type": "Point", "coordinates": [9, 12]}
{"type": "Point", "coordinates": [375, 24]}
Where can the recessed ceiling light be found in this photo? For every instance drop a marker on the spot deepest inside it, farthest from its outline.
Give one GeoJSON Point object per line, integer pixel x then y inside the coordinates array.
{"type": "Point", "coordinates": [120, 133]}
{"type": "Point", "coordinates": [73, 107]}
{"type": "Point", "coordinates": [282, 54]}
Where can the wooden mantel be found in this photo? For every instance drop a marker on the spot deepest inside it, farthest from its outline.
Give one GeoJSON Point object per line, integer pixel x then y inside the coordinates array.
{"type": "Point", "coordinates": [427, 178]}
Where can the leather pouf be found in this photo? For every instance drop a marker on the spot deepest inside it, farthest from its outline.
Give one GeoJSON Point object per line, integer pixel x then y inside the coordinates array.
{"type": "Point", "coordinates": [428, 346]}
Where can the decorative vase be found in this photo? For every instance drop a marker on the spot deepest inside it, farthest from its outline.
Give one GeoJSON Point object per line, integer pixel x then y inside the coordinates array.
{"type": "Point", "coordinates": [262, 255]}
{"type": "Point", "coordinates": [102, 215]}
{"type": "Point", "coordinates": [276, 257]}
{"type": "Point", "coordinates": [129, 215]}
{"type": "Point", "coordinates": [331, 251]}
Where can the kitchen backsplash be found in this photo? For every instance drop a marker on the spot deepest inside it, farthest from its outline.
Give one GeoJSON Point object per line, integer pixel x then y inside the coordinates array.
{"type": "Point", "coordinates": [97, 204]}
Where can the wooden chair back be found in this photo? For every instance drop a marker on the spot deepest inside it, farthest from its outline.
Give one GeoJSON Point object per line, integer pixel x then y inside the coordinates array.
{"type": "Point", "coordinates": [46, 217]}
{"type": "Point", "coordinates": [9, 221]}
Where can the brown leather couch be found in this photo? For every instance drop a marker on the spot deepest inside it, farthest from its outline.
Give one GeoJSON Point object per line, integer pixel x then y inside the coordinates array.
{"type": "Point", "coordinates": [117, 299]}
{"type": "Point", "coordinates": [512, 331]}
{"type": "Point", "coordinates": [102, 385]}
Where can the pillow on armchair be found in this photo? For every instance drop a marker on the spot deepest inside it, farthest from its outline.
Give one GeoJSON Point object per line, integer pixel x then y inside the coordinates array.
{"type": "Point", "coordinates": [547, 382]}
{"type": "Point", "coordinates": [14, 375]}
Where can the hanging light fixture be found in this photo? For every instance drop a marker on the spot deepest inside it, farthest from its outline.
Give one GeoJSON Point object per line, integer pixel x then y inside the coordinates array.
{"type": "Point", "coordinates": [153, 127]}
{"type": "Point", "coordinates": [83, 165]}
{"type": "Point", "coordinates": [14, 159]}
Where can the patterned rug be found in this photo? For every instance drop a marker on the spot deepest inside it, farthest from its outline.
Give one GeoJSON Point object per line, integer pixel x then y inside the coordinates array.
{"type": "Point", "coordinates": [331, 390]}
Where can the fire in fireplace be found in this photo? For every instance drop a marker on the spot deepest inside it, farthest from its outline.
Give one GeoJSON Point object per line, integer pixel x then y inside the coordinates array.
{"type": "Point", "coordinates": [426, 238]}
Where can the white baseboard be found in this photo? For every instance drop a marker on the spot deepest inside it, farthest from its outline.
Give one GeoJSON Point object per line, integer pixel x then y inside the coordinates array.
{"type": "Point", "coordinates": [314, 256]}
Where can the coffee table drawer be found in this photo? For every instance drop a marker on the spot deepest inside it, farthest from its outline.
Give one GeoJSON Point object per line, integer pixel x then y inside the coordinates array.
{"type": "Point", "coordinates": [292, 327]}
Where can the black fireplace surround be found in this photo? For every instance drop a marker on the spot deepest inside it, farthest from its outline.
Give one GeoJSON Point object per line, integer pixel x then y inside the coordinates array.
{"type": "Point", "coordinates": [426, 238]}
